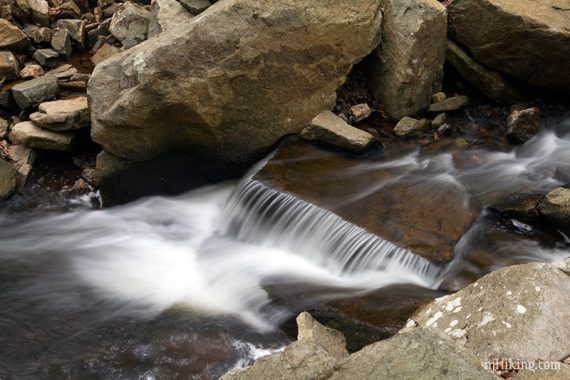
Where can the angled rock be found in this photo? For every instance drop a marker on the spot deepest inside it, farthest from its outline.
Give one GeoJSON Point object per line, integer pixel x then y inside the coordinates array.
{"type": "Point", "coordinates": [35, 137]}
{"type": "Point", "coordinates": [63, 115]}
{"type": "Point", "coordinates": [36, 90]}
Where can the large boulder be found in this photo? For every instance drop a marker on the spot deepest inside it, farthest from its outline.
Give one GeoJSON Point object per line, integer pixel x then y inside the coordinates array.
{"type": "Point", "coordinates": [525, 38]}
{"type": "Point", "coordinates": [515, 313]}
{"type": "Point", "coordinates": [407, 68]}
{"type": "Point", "coordinates": [230, 83]}
{"type": "Point", "coordinates": [166, 14]}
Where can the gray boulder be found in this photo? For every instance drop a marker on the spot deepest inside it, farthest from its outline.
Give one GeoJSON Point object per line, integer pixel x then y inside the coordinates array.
{"type": "Point", "coordinates": [528, 39]}
{"type": "Point", "coordinates": [63, 115]}
{"type": "Point", "coordinates": [513, 313]}
{"type": "Point", "coordinates": [230, 83]}
{"type": "Point", "coordinates": [35, 137]}
{"type": "Point", "coordinates": [130, 24]}
{"type": "Point", "coordinates": [491, 83]}
{"type": "Point", "coordinates": [8, 177]}
{"type": "Point", "coordinates": [331, 129]}
{"type": "Point", "coordinates": [36, 90]}
{"type": "Point", "coordinates": [407, 68]}
{"type": "Point", "coordinates": [11, 37]}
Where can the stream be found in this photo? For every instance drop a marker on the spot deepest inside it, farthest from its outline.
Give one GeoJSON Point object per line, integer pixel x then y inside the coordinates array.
{"type": "Point", "coordinates": [184, 286]}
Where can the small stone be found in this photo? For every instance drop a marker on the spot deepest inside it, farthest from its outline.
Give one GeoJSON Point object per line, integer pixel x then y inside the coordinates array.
{"type": "Point", "coordinates": [462, 143]}
{"type": "Point", "coordinates": [331, 129]}
{"type": "Point", "coordinates": [80, 187]}
{"type": "Point", "coordinates": [39, 10]}
{"type": "Point", "coordinates": [8, 178]}
{"type": "Point", "coordinates": [409, 126]}
{"type": "Point", "coordinates": [31, 71]}
{"type": "Point", "coordinates": [65, 71]}
{"type": "Point", "coordinates": [76, 29]}
{"type": "Point", "coordinates": [443, 130]}
{"type": "Point", "coordinates": [439, 120]}
{"type": "Point", "coordinates": [11, 37]}
{"type": "Point", "coordinates": [74, 86]}
{"type": "Point", "coordinates": [130, 24]}
{"type": "Point", "coordinates": [23, 159]}
{"type": "Point", "coordinates": [360, 112]}
{"type": "Point", "coordinates": [196, 6]}
{"type": "Point", "coordinates": [62, 115]}
{"type": "Point", "coordinates": [8, 65]}
{"type": "Point", "coordinates": [46, 57]}
{"type": "Point", "coordinates": [523, 125]}
{"type": "Point", "coordinates": [61, 42]}
{"type": "Point", "coordinates": [35, 137]}
{"type": "Point", "coordinates": [36, 90]}
{"type": "Point", "coordinates": [105, 51]}
{"type": "Point", "coordinates": [438, 97]}
{"type": "Point", "coordinates": [42, 35]}
{"type": "Point", "coordinates": [450, 104]}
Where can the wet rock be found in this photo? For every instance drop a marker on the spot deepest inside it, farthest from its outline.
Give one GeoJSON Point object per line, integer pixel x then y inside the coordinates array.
{"type": "Point", "coordinates": [514, 37]}
{"type": "Point", "coordinates": [555, 208]}
{"type": "Point", "coordinates": [438, 97]}
{"type": "Point", "coordinates": [22, 158]}
{"type": "Point", "coordinates": [523, 125]}
{"type": "Point", "coordinates": [35, 137]}
{"type": "Point", "coordinates": [524, 208]}
{"type": "Point", "coordinates": [491, 83]}
{"type": "Point", "coordinates": [11, 37]}
{"type": "Point", "coordinates": [439, 120]}
{"type": "Point", "coordinates": [80, 187]}
{"type": "Point", "coordinates": [165, 15]}
{"type": "Point", "coordinates": [39, 10]}
{"type": "Point", "coordinates": [130, 24]}
{"type": "Point", "coordinates": [360, 112]}
{"type": "Point", "coordinates": [407, 68]}
{"type": "Point", "coordinates": [61, 42]}
{"type": "Point", "coordinates": [331, 129]}
{"type": "Point", "coordinates": [196, 6]}
{"type": "Point", "coordinates": [42, 35]}
{"type": "Point", "coordinates": [63, 115]}
{"type": "Point", "coordinates": [46, 57]}
{"type": "Point", "coordinates": [503, 316]}
{"type": "Point", "coordinates": [450, 104]}
{"type": "Point", "coordinates": [410, 127]}
{"type": "Point", "coordinates": [36, 90]}
{"type": "Point", "coordinates": [9, 65]}
{"type": "Point", "coordinates": [31, 71]}
{"type": "Point", "coordinates": [267, 100]}
{"type": "Point", "coordinates": [104, 52]}
{"type": "Point", "coordinates": [3, 128]}
{"type": "Point", "coordinates": [311, 331]}
{"type": "Point", "coordinates": [303, 359]}
{"type": "Point", "coordinates": [76, 29]}
{"type": "Point", "coordinates": [417, 354]}
{"type": "Point", "coordinates": [8, 177]}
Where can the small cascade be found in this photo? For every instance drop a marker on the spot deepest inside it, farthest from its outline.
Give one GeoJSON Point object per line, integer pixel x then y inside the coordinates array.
{"type": "Point", "coordinates": [257, 214]}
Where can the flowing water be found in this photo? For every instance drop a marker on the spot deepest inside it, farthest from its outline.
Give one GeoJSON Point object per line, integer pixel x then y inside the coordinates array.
{"type": "Point", "coordinates": [181, 287]}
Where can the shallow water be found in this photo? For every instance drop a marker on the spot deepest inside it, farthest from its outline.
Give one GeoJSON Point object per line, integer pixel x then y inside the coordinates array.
{"type": "Point", "coordinates": [179, 287]}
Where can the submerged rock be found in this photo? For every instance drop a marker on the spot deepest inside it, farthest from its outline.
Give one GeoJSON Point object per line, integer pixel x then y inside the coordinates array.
{"type": "Point", "coordinates": [407, 68]}
{"type": "Point", "coordinates": [35, 137]}
{"type": "Point", "coordinates": [491, 83]}
{"type": "Point", "coordinates": [523, 125]}
{"type": "Point", "coordinates": [525, 38]}
{"type": "Point", "coordinates": [229, 84]}
{"type": "Point", "coordinates": [62, 115]}
{"type": "Point", "coordinates": [501, 316]}
{"type": "Point", "coordinates": [331, 129]}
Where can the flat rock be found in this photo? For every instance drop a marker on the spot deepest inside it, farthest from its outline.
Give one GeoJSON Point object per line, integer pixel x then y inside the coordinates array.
{"type": "Point", "coordinates": [514, 37]}
{"type": "Point", "coordinates": [410, 127]}
{"type": "Point", "coordinates": [231, 83]}
{"type": "Point", "coordinates": [46, 57]}
{"type": "Point", "coordinates": [331, 129]}
{"type": "Point", "coordinates": [35, 137]}
{"type": "Point", "coordinates": [491, 83]}
{"type": "Point", "coordinates": [130, 24]}
{"type": "Point", "coordinates": [8, 177]}
{"type": "Point", "coordinates": [523, 125]}
{"type": "Point", "coordinates": [450, 104]}
{"type": "Point", "coordinates": [513, 313]}
{"type": "Point", "coordinates": [9, 65]}
{"type": "Point", "coordinates": [31, 71]}
{"type": "Point", "coordinates": [36, 90]}
{"type": "Point", "coordinates": [11, 37]}
{"type": "Point", "coordinates": [407, 67]}
{"type": "Point", "coordinates": [62, 115]}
